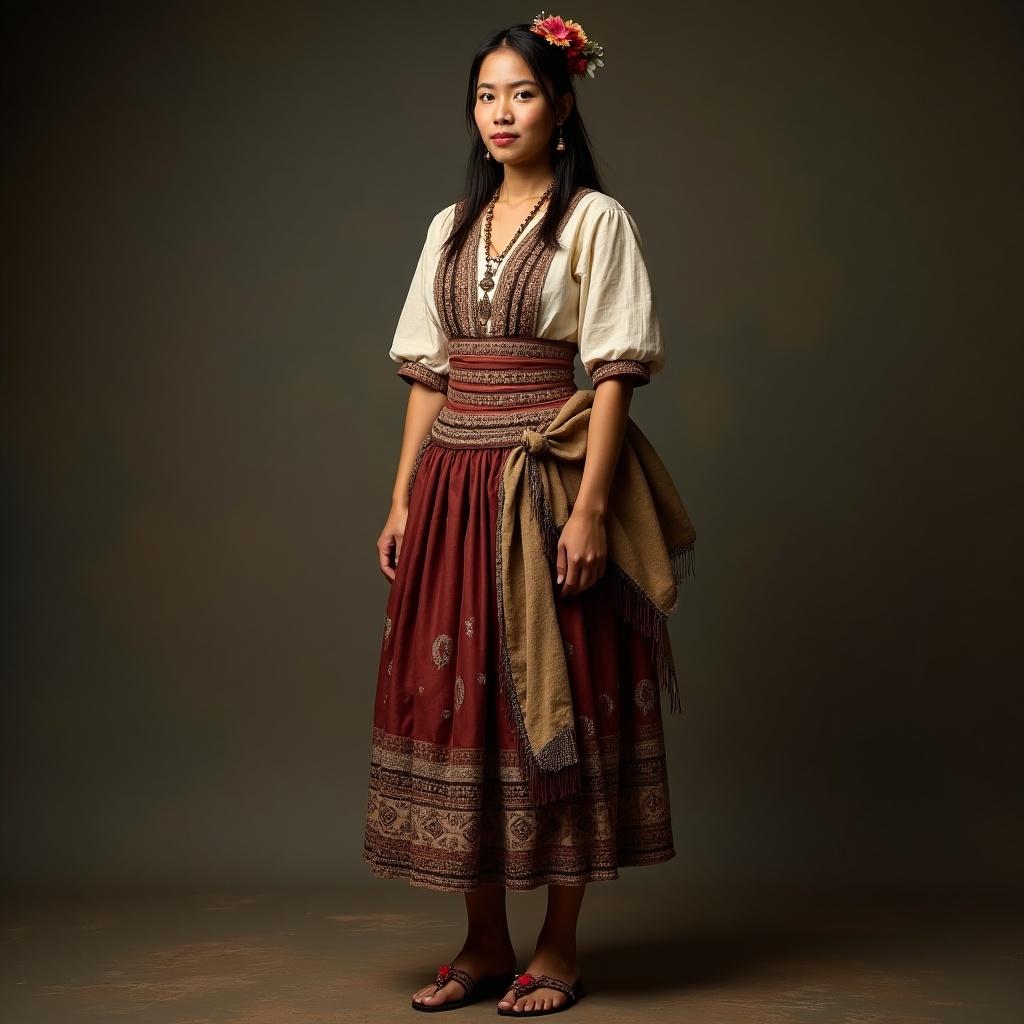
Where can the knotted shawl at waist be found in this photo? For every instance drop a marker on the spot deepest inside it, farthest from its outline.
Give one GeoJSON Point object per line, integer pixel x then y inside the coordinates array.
{"type": "Point", "coordinates": [650, 542]}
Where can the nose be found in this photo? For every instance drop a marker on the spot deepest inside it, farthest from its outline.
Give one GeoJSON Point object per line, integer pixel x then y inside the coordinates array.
{"type": "Point", "coordinates": [500, 113]}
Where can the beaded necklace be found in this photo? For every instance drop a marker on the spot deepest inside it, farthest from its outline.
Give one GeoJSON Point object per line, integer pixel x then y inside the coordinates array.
{"type": "Point", "coordinates": [487, 281]}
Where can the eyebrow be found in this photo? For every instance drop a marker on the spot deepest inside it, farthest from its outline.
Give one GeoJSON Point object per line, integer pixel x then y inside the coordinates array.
{"type": "Point", "coordinates": [491, 85]}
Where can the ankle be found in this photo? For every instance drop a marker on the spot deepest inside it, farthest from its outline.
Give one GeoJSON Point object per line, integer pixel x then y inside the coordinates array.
{"type": "Point", "coordinates": [558, 944]}
{"type": "Point", "coordinates": [489, 940]}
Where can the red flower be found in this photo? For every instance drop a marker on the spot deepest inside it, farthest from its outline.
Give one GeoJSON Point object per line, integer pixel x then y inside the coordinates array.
{"type": "Point", "coordinates": [558, 31]}
{"type": "Point", "coordinates": [582, 54]}
{"type": "Point", "coordinates": [524, 979]}
{"type": "Point", "coordinates": [443, 970]}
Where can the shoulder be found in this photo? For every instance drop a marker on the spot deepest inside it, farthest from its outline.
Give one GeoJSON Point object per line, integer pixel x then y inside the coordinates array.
{"type": "Point", "coordinates": [438, 229]}
{"type": "Point", "coordinates": [599, 215]}
{"type": "Point", "coordinates": [442, 220]}
{"type": "Point", "coordinates": [594, 203]}
{"type": "Point", "coordinates": [599, 206]}
{"type": "Point", "coordinates": [604, 229]}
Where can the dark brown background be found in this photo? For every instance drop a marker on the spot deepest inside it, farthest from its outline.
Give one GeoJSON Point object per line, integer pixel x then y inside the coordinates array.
{"type": "Point", "coordinates": [211, 218]}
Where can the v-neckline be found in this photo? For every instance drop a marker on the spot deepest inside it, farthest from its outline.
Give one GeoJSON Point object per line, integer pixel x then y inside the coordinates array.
{"type": "Point", "coordinates": [513, 297]}
{"type": "Point", "coordinates": [538, 217]}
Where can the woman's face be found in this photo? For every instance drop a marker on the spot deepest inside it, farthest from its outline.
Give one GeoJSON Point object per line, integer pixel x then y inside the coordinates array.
{"type": "Point", "coordinates": [509, 100]}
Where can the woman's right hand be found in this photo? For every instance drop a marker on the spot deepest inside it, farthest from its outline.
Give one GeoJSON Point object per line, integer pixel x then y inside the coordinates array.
{"type": "Point", "coordinates": [389, 544]}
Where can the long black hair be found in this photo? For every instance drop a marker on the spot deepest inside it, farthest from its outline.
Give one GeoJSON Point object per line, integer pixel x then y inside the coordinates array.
{"type": "Point", "coordinates": [574, 167]}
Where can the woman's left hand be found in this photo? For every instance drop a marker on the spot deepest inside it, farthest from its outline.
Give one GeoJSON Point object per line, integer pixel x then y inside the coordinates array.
{"type": "Point", "coordinates": [582, 549]}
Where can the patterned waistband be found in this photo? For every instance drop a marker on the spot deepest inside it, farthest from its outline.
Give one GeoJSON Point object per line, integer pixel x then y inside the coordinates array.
{"type": "Point", "coordinates": [498, 386]}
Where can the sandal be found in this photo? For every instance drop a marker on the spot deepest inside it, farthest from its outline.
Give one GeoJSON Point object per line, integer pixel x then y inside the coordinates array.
{"type": "Point", "coordinates": [525, 983]}
{"type": "Point", "coordinates": [488, 985]}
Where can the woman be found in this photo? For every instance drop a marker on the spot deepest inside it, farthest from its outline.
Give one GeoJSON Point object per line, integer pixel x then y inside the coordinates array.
{"type": "Point", "coordinates": [503, 759]}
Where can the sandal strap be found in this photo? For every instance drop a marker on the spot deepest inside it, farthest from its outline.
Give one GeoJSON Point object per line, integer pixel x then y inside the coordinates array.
{"type": "Point", "coordinates": [449, 972]}
{"type": "Point", "coordinates": [542, 981]}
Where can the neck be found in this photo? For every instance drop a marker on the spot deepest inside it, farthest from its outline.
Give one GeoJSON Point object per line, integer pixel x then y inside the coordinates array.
{"type": "Point", "coordinates": [525, 182]}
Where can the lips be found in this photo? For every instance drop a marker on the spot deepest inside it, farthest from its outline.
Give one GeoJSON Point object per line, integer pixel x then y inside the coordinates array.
{"type": "Point", "coordinates": [503, 135]}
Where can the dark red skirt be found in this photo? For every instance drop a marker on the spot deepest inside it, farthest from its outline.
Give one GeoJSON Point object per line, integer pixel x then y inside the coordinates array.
{"type": "Point", "coordinates": [449, 804]}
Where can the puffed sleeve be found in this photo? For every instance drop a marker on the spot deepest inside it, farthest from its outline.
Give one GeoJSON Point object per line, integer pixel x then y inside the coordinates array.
{"type": "Point", "coordinates": [420, 347]}
{"type": "Point", "coordinates": [619, 332]}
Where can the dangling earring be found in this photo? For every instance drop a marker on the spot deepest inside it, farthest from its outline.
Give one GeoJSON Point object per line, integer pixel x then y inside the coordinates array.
{"type": "Point", "coordinates": [561, 142]}
{"type": "Point", "coordinates": [487, 152]}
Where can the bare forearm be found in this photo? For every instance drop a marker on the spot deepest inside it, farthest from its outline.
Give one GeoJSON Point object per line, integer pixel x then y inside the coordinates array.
{"type": "Point", "coordinates": [605, 432]}
{"type": "Point", "coordinates": [420, 412]}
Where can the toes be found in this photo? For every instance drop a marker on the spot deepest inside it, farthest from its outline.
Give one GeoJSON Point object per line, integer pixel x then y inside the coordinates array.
{"type": "Point", "coordinates": [537, 1002]}
{"type": "Point", "coordinates": [433, 995]}
{"type": "Point", "coordinates": [531, 1001]}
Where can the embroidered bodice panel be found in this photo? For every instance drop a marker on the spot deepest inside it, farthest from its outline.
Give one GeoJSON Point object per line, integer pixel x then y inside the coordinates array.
{"type": "Point", "coordinates": [594, 292]}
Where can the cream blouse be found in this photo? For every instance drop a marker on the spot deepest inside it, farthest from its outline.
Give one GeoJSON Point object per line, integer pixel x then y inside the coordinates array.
{"type": "Point", "coordinates": [597, 294]}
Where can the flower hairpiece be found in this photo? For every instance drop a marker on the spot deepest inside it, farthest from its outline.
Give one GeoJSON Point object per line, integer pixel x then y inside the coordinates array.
{"type": "Point", "coordinates": [582, 54]}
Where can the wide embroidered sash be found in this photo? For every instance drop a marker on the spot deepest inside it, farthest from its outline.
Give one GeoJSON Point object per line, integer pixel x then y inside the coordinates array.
{"type": "Point", "coordinates": [499, 386]}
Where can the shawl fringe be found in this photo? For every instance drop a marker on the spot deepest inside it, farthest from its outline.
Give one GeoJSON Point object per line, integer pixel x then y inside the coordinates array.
{"type": "Point", "coordinates": [562, 776]}
{"type": "Point", "coordinates": [555, 772]}
{"type": "Point", "coordinates": [631, 602]}
{"type": "Point", "coordinates": [545, 786]}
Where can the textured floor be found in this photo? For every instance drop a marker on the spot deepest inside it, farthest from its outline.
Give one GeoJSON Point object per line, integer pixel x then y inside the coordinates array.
{"type": "Point", "coordinates": [752, 956]}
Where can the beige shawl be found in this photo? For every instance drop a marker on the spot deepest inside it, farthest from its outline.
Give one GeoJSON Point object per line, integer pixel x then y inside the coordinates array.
{"type": "Point", "coordinates": [650, 549]}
